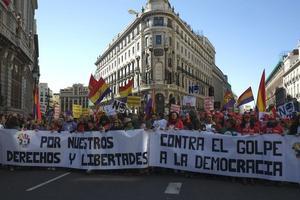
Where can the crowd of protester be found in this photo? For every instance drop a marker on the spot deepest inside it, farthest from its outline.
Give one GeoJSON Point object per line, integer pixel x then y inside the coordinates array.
{"type": "Point", "coordinates": [211, 122]}
{"type": "Point", "coordinates": [229, 123]}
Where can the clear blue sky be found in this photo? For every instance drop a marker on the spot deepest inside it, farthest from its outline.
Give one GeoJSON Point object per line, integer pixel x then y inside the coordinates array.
{"type": "Point", "coordinates": [248, 35]}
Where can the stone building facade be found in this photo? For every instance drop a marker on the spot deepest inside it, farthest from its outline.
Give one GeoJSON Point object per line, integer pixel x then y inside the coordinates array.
{"type": "Point", "coordinates": [219, 86]}
{"type": "Point", "coordinates": [46, 101]}
{"type": "Point", "coordinates": [19, 69]}
{"type": "Point", "coordinates": [291, 76]}
{"type": "Point", "coordinates": [77, 94]}
{"type": "Point", "coordinates": [162, 54]}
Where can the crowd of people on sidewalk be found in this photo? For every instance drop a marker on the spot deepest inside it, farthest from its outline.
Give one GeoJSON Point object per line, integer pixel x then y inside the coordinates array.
{"type": "Point", "coordinates": [213, 122]}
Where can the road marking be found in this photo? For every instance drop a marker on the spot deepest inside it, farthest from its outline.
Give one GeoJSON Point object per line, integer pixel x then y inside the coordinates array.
{"type": "Point", "coordinates": [173, 188]}
{"type": "Point", "coordinates": [46, 182]}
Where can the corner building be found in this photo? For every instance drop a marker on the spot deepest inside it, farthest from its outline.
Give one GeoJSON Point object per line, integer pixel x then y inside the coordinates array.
{"type": "Point", "coordinates": [19, 52]}
{"type": "Point", "coordinates": [162, 54]}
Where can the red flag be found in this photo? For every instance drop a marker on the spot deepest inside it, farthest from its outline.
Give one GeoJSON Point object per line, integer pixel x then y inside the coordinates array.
{"type": "Point", "coordinates": [261, 95]}
{"type": "Point", "coordinates": [6, 2]}
{"type": "Point", "coordinates": [36, 107]}
{"type": "Point", "coordinates": [93, 84]}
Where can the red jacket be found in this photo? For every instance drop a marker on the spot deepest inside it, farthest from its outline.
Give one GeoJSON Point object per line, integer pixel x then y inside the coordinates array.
{"type": "Point", "coordinates": [177, 124]}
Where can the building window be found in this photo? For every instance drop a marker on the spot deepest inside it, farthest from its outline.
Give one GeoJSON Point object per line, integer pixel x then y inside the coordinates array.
{"type": "Point", "coordinates": [158, 21]}
{"type": "Point", "coordinates": [138, 46]}
{"type": "Point", "coordinates": [170, 23]}
{"type": "Point", "coordinates": [16, 88]}
{"type": "Point", "coordinates": [158, 39]}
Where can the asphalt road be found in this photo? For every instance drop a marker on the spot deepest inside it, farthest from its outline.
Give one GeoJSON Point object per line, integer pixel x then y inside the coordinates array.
{"type": "Point", "coordinates": [77, 185]}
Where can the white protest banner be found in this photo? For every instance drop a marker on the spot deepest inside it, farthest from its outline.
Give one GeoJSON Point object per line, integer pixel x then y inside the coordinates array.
{"type": "Point", "coordinates": [189, 101]}
{"type": "Point", "coordinates": [90, 150]}
{"type": "Point", "coordinates": [286, 110]}
{"type": "Point", "coordinates": [270, 157]}
{"type": "Point", "coordinates": [109, 110]}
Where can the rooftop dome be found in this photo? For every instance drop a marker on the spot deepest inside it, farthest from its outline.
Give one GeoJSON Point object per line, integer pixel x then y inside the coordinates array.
{"type": "Point", "coordinates": [162, 5]}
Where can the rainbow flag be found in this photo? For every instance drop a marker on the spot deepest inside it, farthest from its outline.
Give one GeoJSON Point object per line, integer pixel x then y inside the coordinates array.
{"type": "Point", "coordinates": [246, 97]}
{"type": "Point", "coordinates": [127, 89]}
{"type": "Point", "coordinates": [261, 95]}
{"type": "Point", "coordinates": [98, 90]}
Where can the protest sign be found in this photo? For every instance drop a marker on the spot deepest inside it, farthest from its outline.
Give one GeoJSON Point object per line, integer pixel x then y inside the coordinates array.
{"type": "Point", "coordinates": [56, 111]}
{"type": "Point", "coordinates": [109, 110]}
{"type": "Point", "coordinates": [175, 108]}
{"type": "Point", "coordinates": [119, 106]}
{"type": "Point", "coordinates": [286, 110]}
{"type": "Point", "coordinates": [85, 112]}
{"type": "Point", "coordinates": [209, 103]}
{"type": "Point", "coordinates": [134, 101]}
{"type": "Point", "coordinates": [77, 111]}
{"type": "Point", "coordinates": [189, 101]}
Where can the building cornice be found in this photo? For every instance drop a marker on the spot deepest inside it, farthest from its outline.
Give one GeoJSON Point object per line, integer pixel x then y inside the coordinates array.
{"type": "Point", "coordinates": [277, 68]}
{"type": "Point", "coordinates": [140, 18]}
{"type": "Point", "coordinates": [292, 68]}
